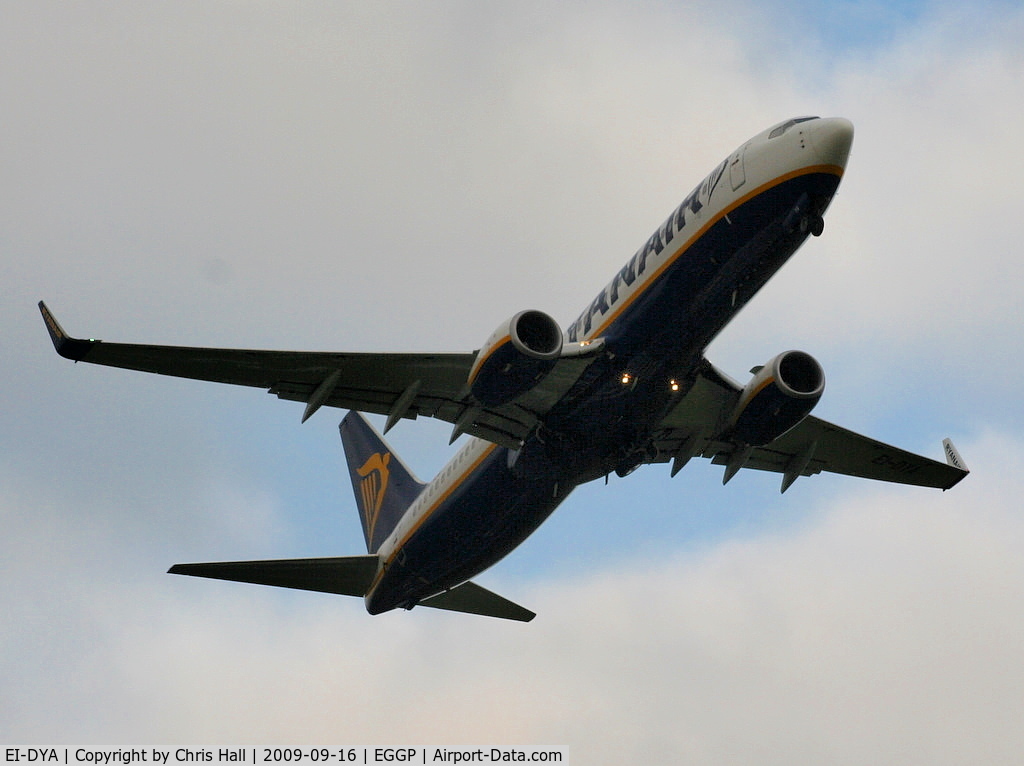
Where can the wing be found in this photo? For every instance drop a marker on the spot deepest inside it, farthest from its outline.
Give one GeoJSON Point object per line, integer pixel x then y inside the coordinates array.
{"type": "Point", "coordinates": [694, 426]}
{"type": "Point", "coordinates": [396, 385]}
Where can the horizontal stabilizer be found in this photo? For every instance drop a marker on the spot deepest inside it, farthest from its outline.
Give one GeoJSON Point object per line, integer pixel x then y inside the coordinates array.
{"type": "Point", "coordinates": [471, 598]}
{"type": "Point", "coordinates": [346, 575]}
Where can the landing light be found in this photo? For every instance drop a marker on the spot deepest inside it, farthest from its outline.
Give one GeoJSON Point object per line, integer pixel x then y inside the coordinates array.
{"type": "Point", "coordinates": [673, 385]}
{"type": "Point", "coordinates": [626, 379]}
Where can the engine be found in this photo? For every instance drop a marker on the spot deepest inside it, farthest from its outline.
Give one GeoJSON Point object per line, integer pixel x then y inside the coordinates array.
{"type": "Point", "coordinates": [778, 397]}
{"type": "Point", "coordinates": [515, 358]}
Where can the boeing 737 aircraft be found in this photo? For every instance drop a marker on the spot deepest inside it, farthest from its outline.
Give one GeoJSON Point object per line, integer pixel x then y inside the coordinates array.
{"type": "Point", "coordinates": [625, 385]}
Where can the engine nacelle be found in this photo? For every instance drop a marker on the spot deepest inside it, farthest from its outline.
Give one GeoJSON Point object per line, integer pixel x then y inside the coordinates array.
{"type": "Point", "coordinates": [515, 358]}
{"type": "Point", "coordinates": [778, 397]}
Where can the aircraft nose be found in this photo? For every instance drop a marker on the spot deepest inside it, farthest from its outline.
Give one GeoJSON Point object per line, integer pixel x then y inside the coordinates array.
{"type": "Point", "coordinates": [832, 139]}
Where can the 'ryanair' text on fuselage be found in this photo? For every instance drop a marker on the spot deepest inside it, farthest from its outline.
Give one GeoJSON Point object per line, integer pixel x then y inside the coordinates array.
{"type": "Point", "coordinates": [656, 244]}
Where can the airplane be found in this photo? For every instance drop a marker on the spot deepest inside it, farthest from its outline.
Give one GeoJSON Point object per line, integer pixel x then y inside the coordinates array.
{"type": "Point", "coordinates": [625, 385]}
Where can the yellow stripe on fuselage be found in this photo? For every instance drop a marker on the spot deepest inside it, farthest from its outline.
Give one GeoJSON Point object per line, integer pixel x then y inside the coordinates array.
{"type": "Point", "coordinates": [597, 332]}
{"type": "Point", "coordinates": [628, 301]}
{"type": "Point", "coordinates": [427, 513]}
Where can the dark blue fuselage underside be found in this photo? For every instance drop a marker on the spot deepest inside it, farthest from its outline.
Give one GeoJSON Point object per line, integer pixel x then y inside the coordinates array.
{"type": "Point", "coordinates": [604, 425]}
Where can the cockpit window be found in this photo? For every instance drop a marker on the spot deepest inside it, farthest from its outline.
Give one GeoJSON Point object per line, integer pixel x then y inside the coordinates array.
{"type": "Point", "coordinates": [778, 131]}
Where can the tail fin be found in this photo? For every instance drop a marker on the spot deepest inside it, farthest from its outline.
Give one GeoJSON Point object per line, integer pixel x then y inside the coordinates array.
{"type": "Point", "coordinates": [384, 486]}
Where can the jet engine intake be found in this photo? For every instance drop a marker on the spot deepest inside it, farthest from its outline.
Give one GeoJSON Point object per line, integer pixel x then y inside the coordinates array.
{"type": "Point", "coordinates": [515, 358]}
{"type": "Point", "coordinates": [781, 394]}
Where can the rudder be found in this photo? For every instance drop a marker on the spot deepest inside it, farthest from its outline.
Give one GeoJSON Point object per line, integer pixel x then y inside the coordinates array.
{"type": "Point", "coordinates": [384, 487]}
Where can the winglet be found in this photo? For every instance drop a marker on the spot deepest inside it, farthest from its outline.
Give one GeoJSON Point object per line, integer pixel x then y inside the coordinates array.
{"type": "Point", "coordinates": [953, 457]}
{"type": "Point", "coordinates": [66, 346]}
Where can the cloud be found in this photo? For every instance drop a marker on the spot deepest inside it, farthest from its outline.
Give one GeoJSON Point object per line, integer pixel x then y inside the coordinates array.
{"type": "Point", "coordinates": [888, 624]}
{"type": "Point", "coordinates": [917, 234]}
{"type": "Point", "coordinates": [363, 178]}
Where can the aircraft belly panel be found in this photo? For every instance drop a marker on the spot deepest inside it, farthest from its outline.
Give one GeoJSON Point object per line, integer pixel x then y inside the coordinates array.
{"type": "Point", "coordinates": [709, 281]}
{"type": "Point", "coordinates": [476, 527]}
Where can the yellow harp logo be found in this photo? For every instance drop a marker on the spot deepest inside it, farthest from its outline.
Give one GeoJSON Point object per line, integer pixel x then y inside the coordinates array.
{"type": "Point", "coordinates": [374, 484]}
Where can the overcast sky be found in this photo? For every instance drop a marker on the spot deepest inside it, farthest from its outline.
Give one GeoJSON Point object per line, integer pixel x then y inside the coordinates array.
{"type": "Point", "coordinates": [403, 177]}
